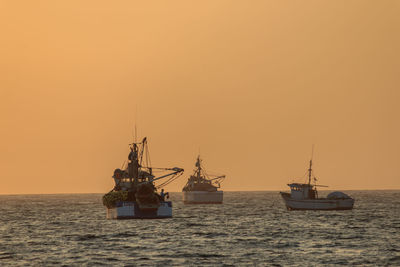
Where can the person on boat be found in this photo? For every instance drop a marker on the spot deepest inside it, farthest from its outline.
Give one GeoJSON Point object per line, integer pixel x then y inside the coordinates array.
{"type": "Point", "coordinates": [163, 195]}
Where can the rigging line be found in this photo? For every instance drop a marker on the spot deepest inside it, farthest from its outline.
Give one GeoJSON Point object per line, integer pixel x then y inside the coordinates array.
{"type": "Point", "coordinates": [148, 154]}
{"type": "Point", "coordinates": [136, 123]}
{"type": "Point", "coordinates": [168, 181]}
{"type": "Point", "coordinates": [205, 174]}
{"type": "Point", "coordinates": [164, 184]}
{"type": "Point", "coordinates": [312, 152]}
{"type": "Point", "coordinates": [304, 175]}
{"type": "Point", "coordinates": [215, 174]}
{"type": "Point", "coordinates": [155, 168]}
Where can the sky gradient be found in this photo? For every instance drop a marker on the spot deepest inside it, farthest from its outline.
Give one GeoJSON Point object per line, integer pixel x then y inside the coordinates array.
{"type": "Point", "coordinates": [252, 85]}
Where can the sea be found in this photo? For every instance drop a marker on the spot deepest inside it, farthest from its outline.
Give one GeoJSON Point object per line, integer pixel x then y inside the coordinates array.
{"type": "Point", "coordinates": [249, 229]}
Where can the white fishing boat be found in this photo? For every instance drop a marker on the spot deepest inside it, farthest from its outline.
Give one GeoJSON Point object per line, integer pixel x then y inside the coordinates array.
{"type": "Point", "coordinates": [135, 195]}
{"type": "Point", "coordinates": [305, 197]}
{"type": "Point", "coordinates": [202, 188]}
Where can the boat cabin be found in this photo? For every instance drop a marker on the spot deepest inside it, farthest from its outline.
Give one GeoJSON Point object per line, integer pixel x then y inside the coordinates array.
{"type": "Point", "coordinates": [124, 182]}
{"type": "Point", "coordinates": [199, 183]}
{"type": "Point", "coordinates": [302, 191]}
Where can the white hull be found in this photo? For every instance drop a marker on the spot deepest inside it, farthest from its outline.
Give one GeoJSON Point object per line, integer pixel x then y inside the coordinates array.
{"type": "Point", "coordinates": [317, 204]}
{"type": "Point", "coordinates": [130, 210]}
{"type": "Point", "coordinates": [203, 197]}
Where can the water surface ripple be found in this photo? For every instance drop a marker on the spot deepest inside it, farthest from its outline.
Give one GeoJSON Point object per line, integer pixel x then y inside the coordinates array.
{"type": "Point", "coordinates": [250, 228]}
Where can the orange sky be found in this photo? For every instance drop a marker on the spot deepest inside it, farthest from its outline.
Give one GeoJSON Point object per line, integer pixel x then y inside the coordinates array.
{"type": "Point", "coordinates": [252, 84]}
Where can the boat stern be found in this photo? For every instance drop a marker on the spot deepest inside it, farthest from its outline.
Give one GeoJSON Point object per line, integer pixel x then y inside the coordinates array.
{"type": "Point", "coordinates": [131, 210]}
{"type": "Point", "coordinates": [203, 197]}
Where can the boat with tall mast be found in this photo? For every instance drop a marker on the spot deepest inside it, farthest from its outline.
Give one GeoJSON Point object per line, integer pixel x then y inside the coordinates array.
{"type": "Point", "coordinates": [305, 197]}
{"type": "Point", "coordinates": [202, 188]}
{"type": "Point", "coordinates": [135, 194]}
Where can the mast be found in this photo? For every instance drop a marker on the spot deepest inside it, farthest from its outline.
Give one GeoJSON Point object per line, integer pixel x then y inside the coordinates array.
{"type": "Point", "coordinates": [310, 169]}
{"type": "Point", "coordinates": [133, 165]}
{"type": "Point", "coordinates": [198, 165]}
{"type": "Point", "coordinates": [309, 173]}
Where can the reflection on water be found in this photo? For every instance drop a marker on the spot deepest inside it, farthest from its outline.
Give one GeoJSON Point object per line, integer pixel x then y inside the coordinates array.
{"type": "Point", "coordinates": [250, 228]}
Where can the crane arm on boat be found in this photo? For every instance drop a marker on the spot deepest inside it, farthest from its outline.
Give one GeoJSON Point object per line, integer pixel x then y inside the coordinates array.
{"type": "Point", "coordinates": [218, 177]}
{"type": "Point", "coordinates": [176, 171]}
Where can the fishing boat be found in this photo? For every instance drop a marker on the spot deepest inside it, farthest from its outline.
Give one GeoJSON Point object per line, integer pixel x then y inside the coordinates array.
{"type": "Point", "coordinates": [135, 194]}
{"type": "Point", "coordinates": [202, 188]}
{"type": "Point", "coordinates": [305, 197]}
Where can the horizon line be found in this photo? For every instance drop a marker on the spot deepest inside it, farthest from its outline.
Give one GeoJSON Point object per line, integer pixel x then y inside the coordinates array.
{"type": "Point", "coordinates": [87, 193]}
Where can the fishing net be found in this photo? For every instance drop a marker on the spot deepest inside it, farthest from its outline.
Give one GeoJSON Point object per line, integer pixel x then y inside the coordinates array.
{"type": "Point", "coordinates": [111, 199]}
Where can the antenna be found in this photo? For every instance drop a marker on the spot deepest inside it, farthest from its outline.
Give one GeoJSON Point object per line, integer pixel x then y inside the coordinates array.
{"type": "Point", "coordinates": [136, 123]}
{"type": "Point", "coordinates": [310, 169]}
{"type": "Point", "coordinates": [135, 138]}
{"type": "Point", "coordinates": [312, 151]}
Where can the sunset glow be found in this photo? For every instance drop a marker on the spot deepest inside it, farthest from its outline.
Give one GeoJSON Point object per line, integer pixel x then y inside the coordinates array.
{"type": "Point", "coordinates": [249, 86]}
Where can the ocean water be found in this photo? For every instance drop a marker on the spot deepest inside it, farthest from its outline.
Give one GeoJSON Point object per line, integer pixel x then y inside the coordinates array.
{"type": "Point", "coordinates": [250, 228]}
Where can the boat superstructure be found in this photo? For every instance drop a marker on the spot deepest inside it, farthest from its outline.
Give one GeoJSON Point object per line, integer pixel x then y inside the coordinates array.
{"type": "Point", "coordinates": [202, 188]}
{"type": "Point", "coordinates": [135, 195]}
{"type": "Point", "coordinates": [305, 197]}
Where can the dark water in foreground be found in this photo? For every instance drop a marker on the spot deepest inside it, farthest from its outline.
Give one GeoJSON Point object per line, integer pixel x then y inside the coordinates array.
{"type": "Point", "coordinates": [251, 228]}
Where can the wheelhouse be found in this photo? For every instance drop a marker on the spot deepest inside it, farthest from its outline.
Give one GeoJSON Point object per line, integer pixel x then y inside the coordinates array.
{"type": "Point", "coordinates": [302, 191]}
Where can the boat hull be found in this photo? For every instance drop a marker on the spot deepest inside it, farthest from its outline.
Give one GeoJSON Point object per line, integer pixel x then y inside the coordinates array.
{"type": "Point", "coordinates": [317, 204]}
{"type": "Point", "coordinates": [130, 210]}
{"type": "Point", "coordinates": [203, 197]}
